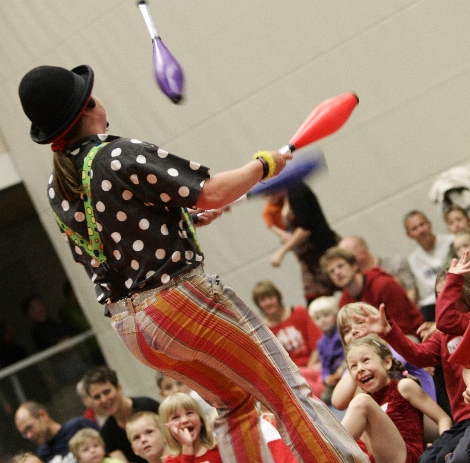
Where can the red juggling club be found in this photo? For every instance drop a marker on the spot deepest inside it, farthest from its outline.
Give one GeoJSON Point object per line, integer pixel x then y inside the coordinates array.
{"type": "Point", "coordinates": [325, 119]}
{"type": "Point", "coordinates": [168, 72]}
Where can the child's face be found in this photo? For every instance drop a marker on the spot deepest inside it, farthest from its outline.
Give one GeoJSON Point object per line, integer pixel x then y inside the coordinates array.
{"type": "Point", "coordinates": [169, 386]}
{"type": "Point", "coordinates": [456, 221]}
{"type": "Point", "coordinates": [350, 331]}
{"type": "Point", "coordinates": [146, 439]}
{"type": "Point", "coordinates": [367, 369]}
{"type": "Point", "coordinates": [270, 305]}
{"type": "Point", "coordinates": [461, 244]}
{"type": "Point", "coordinates": [186, 419]}
{"type": "Point", "coordinates": [326, 321]}
{"type": "Point", "coordinates": [90, 451]}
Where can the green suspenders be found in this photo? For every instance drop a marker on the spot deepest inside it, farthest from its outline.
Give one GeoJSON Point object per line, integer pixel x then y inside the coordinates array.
{"type": "Point", "coordinates": [93, 245]}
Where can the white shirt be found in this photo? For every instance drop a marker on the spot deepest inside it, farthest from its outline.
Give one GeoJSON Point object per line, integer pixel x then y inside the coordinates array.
{"type": "Point", "coordinates": [426, 265]}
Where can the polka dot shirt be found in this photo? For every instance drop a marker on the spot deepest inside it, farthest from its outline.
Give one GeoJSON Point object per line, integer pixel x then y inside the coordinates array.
{"type": "Point", "coordinates": [137, 192]}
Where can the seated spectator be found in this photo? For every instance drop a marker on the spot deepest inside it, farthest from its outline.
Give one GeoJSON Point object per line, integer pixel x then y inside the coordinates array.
{"type": "Point", "coordinates": [35, 424]}
{"type": "Point", "coordinates": [102, 385]}
{"type": "Point", "coordinates": [168, 385]}
{"type": "Point", "coordinates": [179, 413]}
{"type": "Point", "coordinates": [295, 330]}
{"type": "Point", "coordinates": [452, 317]}
{"type": "Point", "coordinates": [427, 259]}
{"type": "Point", "coordinates": [91, 412]}
{"type": "Point", "coordinates": [87, 446]}
{"type": "Point", "coordinates": [144, 431]}
{"type": "Point", "coordinates": [396, 266]}
{"type": "Point", "coordinates": [461, 242]}
{"type": "Point", "coordinates": [323, 312]}
{"type": "Point", "coordinates": [25, 457]}
{"type": "Point", "coordinates": [373, 286]}
{"type": "Point", "coordinates": [391, 403]}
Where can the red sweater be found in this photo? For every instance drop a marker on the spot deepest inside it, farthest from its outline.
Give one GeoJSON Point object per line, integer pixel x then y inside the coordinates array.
{"type": "Point", "coordinates": [211, 456]}
{"type": "Point", "coordinates": [381, 288]}
{"type": "Point", "coordinates": [298, 335]}
{"type": "Point", "coordinates": [449, 320]}
{"type": "Point", "coordinates": [436, 349]}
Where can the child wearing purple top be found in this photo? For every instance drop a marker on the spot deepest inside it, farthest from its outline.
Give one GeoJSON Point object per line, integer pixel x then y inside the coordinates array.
{"type": "Point", "coordinates": [323, 311]}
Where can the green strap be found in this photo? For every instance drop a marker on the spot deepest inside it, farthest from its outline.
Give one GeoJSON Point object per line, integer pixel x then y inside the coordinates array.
{"type": "Point", "coordinates": [93, 246]}
{"type": "Point", "coordinates": [192, 228]}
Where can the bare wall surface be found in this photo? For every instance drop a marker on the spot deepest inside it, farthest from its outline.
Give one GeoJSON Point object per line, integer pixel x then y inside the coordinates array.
{"type": "Point", "coordinates": [254, 70]}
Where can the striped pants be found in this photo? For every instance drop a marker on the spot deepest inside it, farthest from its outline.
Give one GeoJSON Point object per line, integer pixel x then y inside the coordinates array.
{"type": "Point", "coordinates": [203, 334]}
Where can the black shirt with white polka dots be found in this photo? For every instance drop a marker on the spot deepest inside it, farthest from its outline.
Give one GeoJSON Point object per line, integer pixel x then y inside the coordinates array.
{"type": "Point", "coordinates": [138, 192]}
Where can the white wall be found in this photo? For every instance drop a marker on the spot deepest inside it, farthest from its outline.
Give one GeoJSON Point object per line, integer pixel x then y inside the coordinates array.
{"type": "Point", "coordinates": [254, 71]}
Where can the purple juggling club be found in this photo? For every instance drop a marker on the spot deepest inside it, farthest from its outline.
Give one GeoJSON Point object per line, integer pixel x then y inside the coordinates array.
{"type": "Point", "coordinates": [167, 71]}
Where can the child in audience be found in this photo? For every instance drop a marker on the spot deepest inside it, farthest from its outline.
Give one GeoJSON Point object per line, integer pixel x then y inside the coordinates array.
{"type": "Point", "coordinates": [144, 431]}
{"type": "Point", "coordinates": [87, 446]}
{"type": "Point", "coordinates": [456, 219]}
{"type": "Point", "coordinates": [347, 329]}
{"type": "Point", "coordinates": [188, 435]}
{"type": "Point", "coordinates": [391, 405]}
{"type": "Point", "coordinates": [168, 385]}
{"type": "Point", "coordinates": [295, 330]}
{"type": "Point", "coordinates": [461, 242]}
{"type": "Point", "coordinates": [26, 457]}
{"type": "Point", "coordinates": [452, 318]}
{"type": "Point", "coordinates": [324, 311]}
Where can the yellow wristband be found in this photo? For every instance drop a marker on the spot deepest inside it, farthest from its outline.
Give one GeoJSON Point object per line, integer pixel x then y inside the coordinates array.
{"type": "Point", "coordinates": [268, 157]}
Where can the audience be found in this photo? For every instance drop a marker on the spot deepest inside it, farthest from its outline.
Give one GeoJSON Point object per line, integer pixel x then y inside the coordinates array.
{"type": "Point", "coordinates": [373, 286]}
{"type": "Point", "coordinates": [25, 457]}
{"type": "Point", "coordinates": [186, 431]}
{"type": "Point", "coordinates": [427, 260]}
{"type": "Point", "coordinates": [391, 403]}
{"type": "Point", "coordinates": [324, 311]}
{"type": "Point", "coordinates": [102, 385]}
{"type": "Point", "coordinates": [461, 242]}
{"type": "Point", "coordinates": [35, 424]}
{"type": "Point", "coordinates": [133, 432]}
{"type": "Point", "coordinates": [294, 329]}
{"type": "Point", "coordinates": [452, 290]}
{"type": "Point", "coordinates": [168, 385]}
{"type": "Point", "coordinates": [396, 266]}
{"type": "Point", "coordinates": [87, 446]}
{"type": "Point", "coordinates": [92, 412]}
{"type": "Point", "coordinates": [144, 431]}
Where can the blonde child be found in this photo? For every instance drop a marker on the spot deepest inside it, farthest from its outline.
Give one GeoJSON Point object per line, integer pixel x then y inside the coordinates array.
{"type": "Point", "coordinates": [87, 446]}
{"type": "Point", "coordinates": [144, 432]}
{"type": "Point", "coordinates": [324, 311]}
{"type": "Point", "coordinates": [391, 405]}
{"type": "Point", "coordinates": [188, 435]}
{"type": "Point", "coordinates": [461, 242]}
{"type": "Point", "coordinates": [348, 330]}
{"type": "Point", "coordinates": [26, 457]}
{"type": "Point", "coordinates": [168, 385]}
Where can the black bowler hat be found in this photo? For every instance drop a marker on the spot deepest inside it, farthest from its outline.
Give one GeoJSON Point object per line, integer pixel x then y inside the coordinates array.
{"type": "Point", "coordinates": [53, 98]}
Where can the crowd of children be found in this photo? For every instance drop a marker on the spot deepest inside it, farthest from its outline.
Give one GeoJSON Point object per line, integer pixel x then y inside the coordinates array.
{"type": "Point", "coordinates": [355, 359]}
